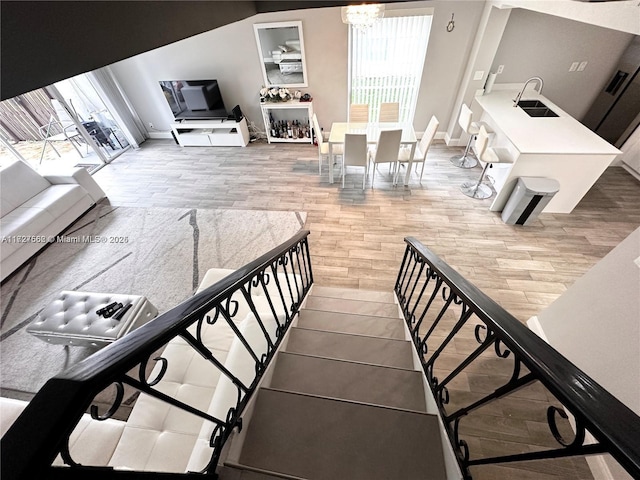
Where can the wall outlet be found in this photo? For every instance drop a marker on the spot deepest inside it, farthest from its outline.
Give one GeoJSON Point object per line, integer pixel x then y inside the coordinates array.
{"type": "Point", "coordinates": [500, 69]}
{"type": "Point", "coordinates": [478, 75]}
{"type": "Point", "coordinates": [573, 67]}
{"type": "Point", "coordinates": [582, 66]}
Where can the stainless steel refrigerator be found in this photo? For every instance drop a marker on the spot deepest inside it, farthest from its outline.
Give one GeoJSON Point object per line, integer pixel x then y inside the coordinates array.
{"type": "Point", "coordinates": [615, 113]}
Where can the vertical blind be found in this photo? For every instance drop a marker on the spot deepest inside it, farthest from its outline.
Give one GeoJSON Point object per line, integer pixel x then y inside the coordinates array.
{"type": "Point", "coordinates": [387, 61]}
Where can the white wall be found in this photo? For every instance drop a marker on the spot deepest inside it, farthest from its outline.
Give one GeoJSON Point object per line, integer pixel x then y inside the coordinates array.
{"type": "Point", "coordinates": [617, 15]}
{"type": "Point", "coordinates": [596, 322]}
{"type": "Point", "coordinates": [488, 36]}
{"type": "Point", "coordinates": [229, 54]}
{"type": "Point", "coordinates": [536, 44]}
{"type": "Point", "coordinates": [447, 57]}
{"type": "Point", "coordinates": [596, 325]}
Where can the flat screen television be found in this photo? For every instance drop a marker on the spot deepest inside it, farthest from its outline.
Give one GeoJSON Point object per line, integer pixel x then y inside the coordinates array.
{"type": "Point", "coordinates": [195, 99]}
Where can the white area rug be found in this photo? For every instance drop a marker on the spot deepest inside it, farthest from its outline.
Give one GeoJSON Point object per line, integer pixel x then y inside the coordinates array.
{"type": "Point", "coordinates": [160, 253]}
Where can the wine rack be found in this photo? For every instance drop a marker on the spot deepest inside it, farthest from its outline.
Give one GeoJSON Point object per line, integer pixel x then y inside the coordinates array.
{"type": "Point", "coordinates": [288, 122]}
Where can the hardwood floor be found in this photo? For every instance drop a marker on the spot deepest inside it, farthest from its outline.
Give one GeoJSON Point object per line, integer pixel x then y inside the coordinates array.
{"type": "Point", "coordinates": [357, 237]}
{"type": "Point", "coordinates": [357, 241]}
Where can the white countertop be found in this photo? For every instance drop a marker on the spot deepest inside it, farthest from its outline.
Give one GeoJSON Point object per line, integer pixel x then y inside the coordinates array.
{"type": "Point", "coordinates": [541, 135]}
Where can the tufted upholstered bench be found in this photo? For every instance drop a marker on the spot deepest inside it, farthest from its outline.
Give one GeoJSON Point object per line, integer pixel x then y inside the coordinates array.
{"type": "Point", "coordinates": [71, 319]}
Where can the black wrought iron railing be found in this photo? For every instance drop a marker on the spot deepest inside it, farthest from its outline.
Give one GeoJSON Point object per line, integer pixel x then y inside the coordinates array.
{"type": "Point", "coordinates": [282, 277]}
{"type": "Point", "coordinates": [461, 335]}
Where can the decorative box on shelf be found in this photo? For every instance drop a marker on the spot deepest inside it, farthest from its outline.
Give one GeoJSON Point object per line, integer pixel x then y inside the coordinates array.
{"type": "Point", "coordinates": [288, 122]}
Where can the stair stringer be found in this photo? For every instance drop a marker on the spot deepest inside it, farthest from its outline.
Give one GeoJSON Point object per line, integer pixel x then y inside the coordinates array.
{"type": "Point", "coordinates": [450, 459]}
{"type": "Point", "coordinates": [233, 447]}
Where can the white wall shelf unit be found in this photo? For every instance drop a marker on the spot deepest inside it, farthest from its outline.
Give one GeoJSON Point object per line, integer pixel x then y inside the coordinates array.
{"type": "Point", "coordinates": [293, 113]}
{"type": "Point", "coordinates": [211, 133]}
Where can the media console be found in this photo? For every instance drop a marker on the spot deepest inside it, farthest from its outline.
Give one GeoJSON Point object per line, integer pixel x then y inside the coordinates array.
{"type": "Point", "coordinates": [211, 133]}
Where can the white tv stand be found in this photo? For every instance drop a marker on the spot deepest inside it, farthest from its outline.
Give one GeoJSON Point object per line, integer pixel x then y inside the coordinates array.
{"type": "Point", "coordinates": [211, 133]}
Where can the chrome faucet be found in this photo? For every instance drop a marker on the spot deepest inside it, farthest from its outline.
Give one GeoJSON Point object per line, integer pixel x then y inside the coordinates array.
{"type": "Point", "coordinates": [519, 96]}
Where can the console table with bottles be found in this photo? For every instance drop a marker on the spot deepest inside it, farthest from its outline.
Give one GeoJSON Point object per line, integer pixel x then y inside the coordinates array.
{"type": "Point", "coordinates": [288, 122]}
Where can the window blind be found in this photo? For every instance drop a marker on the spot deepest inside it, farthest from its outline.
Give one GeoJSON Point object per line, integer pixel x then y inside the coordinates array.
{"type": "Point", "coordinates": [387, 61]}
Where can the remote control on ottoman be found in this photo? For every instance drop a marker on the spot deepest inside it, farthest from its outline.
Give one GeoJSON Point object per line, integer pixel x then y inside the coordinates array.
{"type": "Point", "coordinates": [91, 319]}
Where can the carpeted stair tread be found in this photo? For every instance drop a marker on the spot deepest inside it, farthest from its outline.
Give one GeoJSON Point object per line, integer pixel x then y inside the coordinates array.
{"type": "Point", "coordinates": [360, 382]}
{"type": "Point", "coordinates": [353, 294]}
{"type": "Point", "coordinates": [356, 307]}
{"type": "Point", "coordinates": [325, 439]}
{"type": "Point", "coordinates": [350, 323]}
{"type": "Point", "coordinates": [357, 348]}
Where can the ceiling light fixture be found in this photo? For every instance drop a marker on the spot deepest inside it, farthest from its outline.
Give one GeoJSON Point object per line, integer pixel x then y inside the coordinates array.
{"type": "Point", "coordinates": [362, 16]}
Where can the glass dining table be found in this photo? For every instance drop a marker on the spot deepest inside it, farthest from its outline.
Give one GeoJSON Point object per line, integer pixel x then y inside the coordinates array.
{"type": "Point", "coordinates": [372, 131]}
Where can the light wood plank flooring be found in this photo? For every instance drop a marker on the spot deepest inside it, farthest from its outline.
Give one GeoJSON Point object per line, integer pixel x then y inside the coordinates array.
{"type": "Point", "coordinates": [357, 237]}
{"type": "Point", "coordinates": [357, 241]}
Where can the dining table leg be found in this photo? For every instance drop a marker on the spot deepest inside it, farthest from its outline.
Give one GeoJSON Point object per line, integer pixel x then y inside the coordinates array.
{"type": "Point", "coordinates": [330, 162]}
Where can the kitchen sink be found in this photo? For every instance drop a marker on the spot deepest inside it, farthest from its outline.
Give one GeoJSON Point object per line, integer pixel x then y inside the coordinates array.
{"type": "Point", "coordinates": [531, 104]}
{"type": "Point", "coordinates": [539, 112]}
{"type": "Point", "coordinates": [535, 108]}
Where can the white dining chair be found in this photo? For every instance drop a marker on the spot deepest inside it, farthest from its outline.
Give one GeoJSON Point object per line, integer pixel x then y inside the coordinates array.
{"type": "Point", "coordinates": [389, 112]}
{"type": "Point", "coordinates": [359, 113]}
{"type": "Point", "coordinates": [420, 152]}
{"type": "Point", "coordinates": [489, 155]}
{"type": "Point", "coordinates": [465, 120]}
{"type": "Point", "coordinates": [355, 155]}
{"type": "Point", "coordinates": [386, 151]}
{"type": "Point", "coordinates": [323, 147]}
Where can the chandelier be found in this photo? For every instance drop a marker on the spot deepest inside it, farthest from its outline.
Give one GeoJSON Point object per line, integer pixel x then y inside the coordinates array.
{"type": "Point", "coordinates": [362, 16]}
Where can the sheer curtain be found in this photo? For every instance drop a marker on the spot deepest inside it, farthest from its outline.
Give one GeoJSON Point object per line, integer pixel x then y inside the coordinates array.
{"type": "Point", "coordinates": [119, 106]}
{"type": "Point", "coordinates": [387, 61]}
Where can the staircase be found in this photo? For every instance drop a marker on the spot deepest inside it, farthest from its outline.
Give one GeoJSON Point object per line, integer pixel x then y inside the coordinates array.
{"type": "Point", "coordinates": [342, 401]}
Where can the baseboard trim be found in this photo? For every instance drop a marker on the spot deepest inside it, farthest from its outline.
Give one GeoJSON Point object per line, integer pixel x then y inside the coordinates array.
{"type": "Point", "coordinates": [160, 135]}
{"type": "Point", "coordinates": [453, 142]}
{"type": "Point", "coordinates": [437, 136]}
{"type": "Point", "coordinates": [598, 466]}
{"type": "Point", "coordinates": [630, 170]}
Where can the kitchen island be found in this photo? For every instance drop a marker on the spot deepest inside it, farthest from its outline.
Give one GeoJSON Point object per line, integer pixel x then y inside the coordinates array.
{"type": "Point", "coordinates": [556, 147]}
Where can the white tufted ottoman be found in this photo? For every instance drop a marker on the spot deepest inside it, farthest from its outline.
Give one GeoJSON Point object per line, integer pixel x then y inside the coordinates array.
{"type": "Point", "coordinates": [71, 319]}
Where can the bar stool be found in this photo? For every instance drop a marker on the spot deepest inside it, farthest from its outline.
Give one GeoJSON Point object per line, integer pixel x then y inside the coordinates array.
{"type": "Point", "coordinates": [489, 155]}
{"type": "Point", "coordinates": [465, 120]}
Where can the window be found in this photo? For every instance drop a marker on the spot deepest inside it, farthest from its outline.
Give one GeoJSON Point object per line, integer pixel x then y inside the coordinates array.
{"type": "Point", "coordinates": [386, 63]}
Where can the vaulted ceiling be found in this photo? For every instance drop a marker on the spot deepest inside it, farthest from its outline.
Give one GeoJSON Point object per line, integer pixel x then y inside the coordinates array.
{"type": "Point", "coordinates": [43, 42]}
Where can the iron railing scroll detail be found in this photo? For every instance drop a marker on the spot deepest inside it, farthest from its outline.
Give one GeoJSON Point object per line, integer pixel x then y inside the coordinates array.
{"type": "Point", "coordinates": [461, 335]}
{"type": "Point", "coordinates": [282, 278]}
